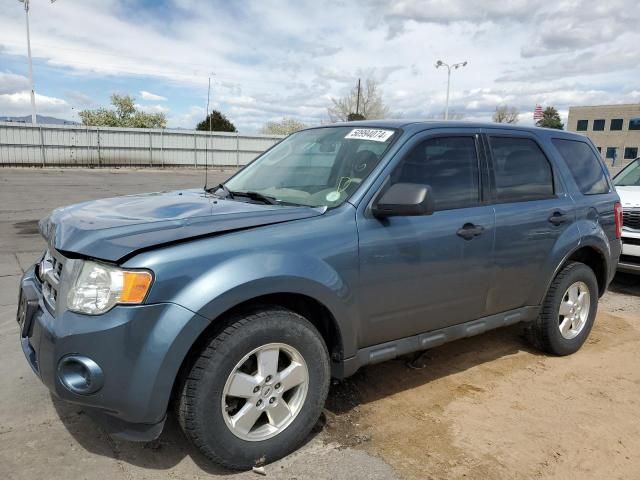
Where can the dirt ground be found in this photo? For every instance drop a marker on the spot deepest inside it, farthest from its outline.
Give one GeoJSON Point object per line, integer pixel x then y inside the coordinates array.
{"type": "Point", "coordinates": [490, 407]}
{"type": "Point", "coordinates": [487, 407]}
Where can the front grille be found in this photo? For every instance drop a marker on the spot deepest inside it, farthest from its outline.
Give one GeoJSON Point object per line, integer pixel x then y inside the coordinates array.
{"type": "Point", "coordinates": [629, 259]}
{"type": "Point", "coordinates": [50, 273]}
{"type": "Point", "coordinates": [631, 218]}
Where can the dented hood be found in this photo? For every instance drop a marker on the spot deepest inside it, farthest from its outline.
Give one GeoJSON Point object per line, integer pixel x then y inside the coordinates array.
{"type": "Point", "coordinates": [114, 228]}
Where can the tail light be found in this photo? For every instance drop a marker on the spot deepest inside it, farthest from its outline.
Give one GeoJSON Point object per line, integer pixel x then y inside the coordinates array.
{"type": "Point", "coordinates": [617, 211]}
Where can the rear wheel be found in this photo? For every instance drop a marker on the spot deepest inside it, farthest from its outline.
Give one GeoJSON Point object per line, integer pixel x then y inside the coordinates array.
{"type": "Point", "coordinates": [568, 311]}
{"type": "Point", "coordinates": [257, 389]}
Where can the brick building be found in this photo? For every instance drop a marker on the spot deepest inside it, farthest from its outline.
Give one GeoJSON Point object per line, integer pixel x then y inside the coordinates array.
{"type": "Point", "coordinates": [615, 129]}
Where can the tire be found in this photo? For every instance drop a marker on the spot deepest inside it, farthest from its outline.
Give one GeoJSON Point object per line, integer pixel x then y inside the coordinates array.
{"type": "Point", "coordinates": [206, 389]}
{"type": "Point", "coordinates": [545, 332]}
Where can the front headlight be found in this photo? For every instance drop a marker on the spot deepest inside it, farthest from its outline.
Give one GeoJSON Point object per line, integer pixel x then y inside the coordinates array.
{"type": "Point", "coordinates": [99, 287]}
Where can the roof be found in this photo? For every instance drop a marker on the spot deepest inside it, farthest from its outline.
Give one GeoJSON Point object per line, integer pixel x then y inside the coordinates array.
{"type": "Point", "coordinates": [418, 125]}
{"type": "Point", "coordinates": [612, 105]}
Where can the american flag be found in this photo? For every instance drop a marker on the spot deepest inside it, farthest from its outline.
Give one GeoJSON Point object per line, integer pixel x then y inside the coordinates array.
{"type": "Point", "coordinates": [537, 113]}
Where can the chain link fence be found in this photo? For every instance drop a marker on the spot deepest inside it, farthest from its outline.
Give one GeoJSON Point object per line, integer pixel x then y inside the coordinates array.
{"type": "Point", "coordinates": [80, 146]}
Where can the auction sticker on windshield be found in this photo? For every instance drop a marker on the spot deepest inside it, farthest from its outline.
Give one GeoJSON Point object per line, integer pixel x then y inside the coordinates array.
{"type": "Point", "coordinates": [370, 134]}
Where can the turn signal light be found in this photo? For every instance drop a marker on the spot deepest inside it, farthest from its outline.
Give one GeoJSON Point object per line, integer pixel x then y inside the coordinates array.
{"type": "Point", "coordinates": [135, 286]}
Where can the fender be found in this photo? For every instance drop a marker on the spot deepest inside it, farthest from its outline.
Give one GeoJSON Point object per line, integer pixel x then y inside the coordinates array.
{"type": "Point", "coordinates": [238, 280]}
{"type": "Point", "coordinates": [568, 242]}
{"type": "Point", "coordinates": [583, 233]}
{"type": "Point", "coordinates": [211, 276]}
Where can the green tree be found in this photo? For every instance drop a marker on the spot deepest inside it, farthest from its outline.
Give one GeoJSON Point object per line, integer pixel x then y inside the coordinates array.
{"type": "Point", "coordinates": [219, 123]}
{"type": "Point", "coordinates": [353, 117]}
{"type": "Point", "coordinates": [550, 119]}
{"type": "Point", "coordinates": [123, 114]}
{"type": "Point", "coordinates": [286, 126]}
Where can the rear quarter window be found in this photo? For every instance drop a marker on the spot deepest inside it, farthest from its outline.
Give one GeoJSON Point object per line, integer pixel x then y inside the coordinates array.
{"type": "Point", "coordinates": [584, 166]}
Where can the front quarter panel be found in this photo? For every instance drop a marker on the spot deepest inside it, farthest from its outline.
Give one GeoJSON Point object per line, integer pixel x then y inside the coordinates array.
{"type": "Point", "coordinates": [316, 257]}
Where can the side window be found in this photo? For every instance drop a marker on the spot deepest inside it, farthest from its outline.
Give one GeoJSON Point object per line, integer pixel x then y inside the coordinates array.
{"type": "Point", "coordinates": [449, 165]}
{"type": "Point", "coordinates": [522, 172]}
{"type": "Point", "coordinates": [584, 165]}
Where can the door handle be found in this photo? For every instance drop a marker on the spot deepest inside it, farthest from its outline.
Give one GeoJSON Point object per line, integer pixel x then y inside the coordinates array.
{"type": "Point", "coordinates": [558, 217]}
{"type": "Point", "coordinates": [469, 230]}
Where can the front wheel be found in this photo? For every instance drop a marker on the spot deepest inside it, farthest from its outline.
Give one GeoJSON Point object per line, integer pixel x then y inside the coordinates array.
{"type": "Point", "coordinates": [568, 311]}
{"type": "Point", "coordinates": [256, 391]}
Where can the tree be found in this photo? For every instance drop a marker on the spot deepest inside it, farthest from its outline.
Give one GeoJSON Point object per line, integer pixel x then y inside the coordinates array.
{"type": "Point", "coordinates": [286, 126]}
{"type": "Point", "coordinates": [371, 105]}
{"type": "Point", "coordinates": [123, 114]}
{"type": "Point", "coordinates": [505, 114]}
{"type": "Point", "coordinates": [219, 123]}
{"type": "Point", "coordinates": [550, 119]}
{"type": "Point", "coordinates": [353, 117]}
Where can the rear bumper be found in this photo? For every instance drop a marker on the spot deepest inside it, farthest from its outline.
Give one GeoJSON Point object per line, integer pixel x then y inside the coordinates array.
{"type": "Point", "coordinates": [139, 350]}
{"type": "Point", "coordinates": [630, 258]}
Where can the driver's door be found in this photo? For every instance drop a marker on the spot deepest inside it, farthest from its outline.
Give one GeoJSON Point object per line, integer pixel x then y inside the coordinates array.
{"type": "Point", "coordinates": [419, 273]}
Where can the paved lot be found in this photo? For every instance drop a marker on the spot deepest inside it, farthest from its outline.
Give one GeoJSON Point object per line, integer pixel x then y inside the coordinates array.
{"type": "Point", "coordinates": [485, 407]}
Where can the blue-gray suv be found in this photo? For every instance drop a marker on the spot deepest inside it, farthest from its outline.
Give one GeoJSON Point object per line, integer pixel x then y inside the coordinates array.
{"type": "Point", "coordinates": [339, 247]}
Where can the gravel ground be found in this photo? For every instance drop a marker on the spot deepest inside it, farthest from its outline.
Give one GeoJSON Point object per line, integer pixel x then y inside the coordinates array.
{"type": "Point", "coordinates": [484, 407]}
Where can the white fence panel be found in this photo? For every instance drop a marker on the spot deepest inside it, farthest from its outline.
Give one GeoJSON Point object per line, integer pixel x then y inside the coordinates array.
{"type": "Point", "coordinates": [77, 145]}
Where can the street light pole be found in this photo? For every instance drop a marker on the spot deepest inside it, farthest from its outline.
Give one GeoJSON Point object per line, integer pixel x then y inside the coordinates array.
{"type": "Point", "coordinates": [446, 107]}
{"type": "Point", "coordinates": [455, 66]}
{"type": "Point", "coordinates": [33, 93]}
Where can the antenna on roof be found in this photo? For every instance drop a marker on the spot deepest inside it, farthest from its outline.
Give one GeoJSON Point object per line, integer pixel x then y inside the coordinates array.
{"type": "Point", "coordinates": [206, 145]}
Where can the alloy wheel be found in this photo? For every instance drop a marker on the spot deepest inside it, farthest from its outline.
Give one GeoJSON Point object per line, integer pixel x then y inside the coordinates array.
{"type": "Point", "coordinates": [265, 392]}
{"type": "Point", "coordinates": [574, 310]}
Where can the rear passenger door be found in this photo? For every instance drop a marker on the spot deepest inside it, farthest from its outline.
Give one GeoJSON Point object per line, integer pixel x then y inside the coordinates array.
{"type": "Point", "coordinates": [532, 210]}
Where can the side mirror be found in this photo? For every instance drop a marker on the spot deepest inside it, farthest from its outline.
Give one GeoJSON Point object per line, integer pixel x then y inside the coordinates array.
{"type": "Point", "coordinates": [404, 199]}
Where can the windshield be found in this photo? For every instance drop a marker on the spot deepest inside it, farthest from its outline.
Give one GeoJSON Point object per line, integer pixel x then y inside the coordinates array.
{"type": "Point", "coordinates": [630, 176]}
{"type": "Point", "coordinates": [318, 167]}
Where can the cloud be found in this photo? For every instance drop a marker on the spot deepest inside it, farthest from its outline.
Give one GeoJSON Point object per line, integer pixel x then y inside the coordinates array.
{"type": "Point", "coordinates": [395, 15]}
{"type": "Point", "coordinates": [15, 98]}
{"type": "Point", "coordinates": [16, 104]}
{"type": "Point", "coordinates": [12, 83]}
{"type": "Point", "coordinates": [152, 96]}
{"type": "Point", "coordinates": [589, 62]}
{"type": "Point", "coordinates": [153, 108]}
{"type": "Point", "coordinates": [189, 119]}
{"type": "Point", "coordinates": [79, 99]}
{"type": "Point", "coordinates": [568, 26]}
{"type": "Point", "coordinates": [291, 59]}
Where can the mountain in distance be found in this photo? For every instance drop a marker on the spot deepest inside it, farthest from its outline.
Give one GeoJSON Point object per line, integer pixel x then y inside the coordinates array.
{"type": "Point", "coordinates": [43, 119]}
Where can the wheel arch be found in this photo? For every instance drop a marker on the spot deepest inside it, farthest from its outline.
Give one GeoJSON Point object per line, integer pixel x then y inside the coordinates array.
{"type": "Point", "coordinates": [304, 305]}
{"type": "Point", "coordinates": [592, 256]}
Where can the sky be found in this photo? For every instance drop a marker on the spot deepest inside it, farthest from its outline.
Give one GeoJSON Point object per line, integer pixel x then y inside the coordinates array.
{"type": "Point", "coordinates": [275, 59]}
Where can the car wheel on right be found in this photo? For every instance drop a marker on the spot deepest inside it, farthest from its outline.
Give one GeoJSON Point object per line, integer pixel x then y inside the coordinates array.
{"type": "Point", "coordinates": [568, 311]}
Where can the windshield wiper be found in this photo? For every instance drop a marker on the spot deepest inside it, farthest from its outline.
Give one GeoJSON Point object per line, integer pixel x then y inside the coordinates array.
{"type": "Point", "coordinates": [258, 197]}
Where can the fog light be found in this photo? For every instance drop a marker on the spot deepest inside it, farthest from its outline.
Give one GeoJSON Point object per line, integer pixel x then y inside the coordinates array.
{"type": "Point", "coordinates": [80, 375]}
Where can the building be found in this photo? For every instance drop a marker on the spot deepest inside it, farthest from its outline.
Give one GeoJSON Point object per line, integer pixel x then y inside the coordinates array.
{"type": "Point", "coordinates": [615, 129]}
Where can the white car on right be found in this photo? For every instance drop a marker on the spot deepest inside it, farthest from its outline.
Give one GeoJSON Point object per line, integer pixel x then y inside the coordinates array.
{"type": "Point", "coordinates": [627, 183]}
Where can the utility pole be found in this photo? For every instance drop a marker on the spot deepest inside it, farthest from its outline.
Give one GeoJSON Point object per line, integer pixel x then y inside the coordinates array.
{"type": "Point", "coordinates": [208, 97]}
{"type": "Point", "coordinates": [358, 100]}
{"type": "Point", "coordinates": [455, 66]}
{"type": "Point", "coordinates": [33, 93]}
{"type": "Point", "coordinates": [208, 137]}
